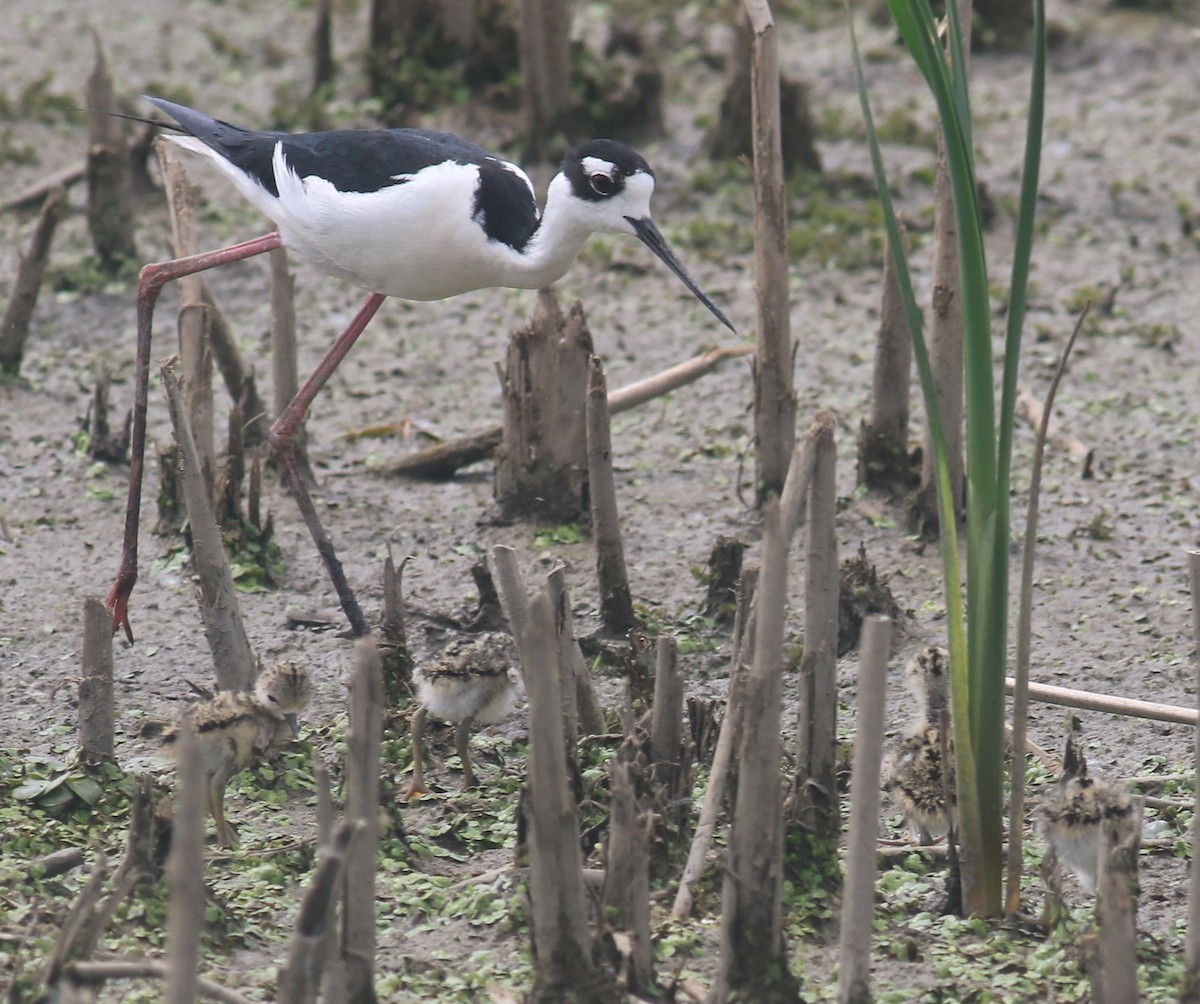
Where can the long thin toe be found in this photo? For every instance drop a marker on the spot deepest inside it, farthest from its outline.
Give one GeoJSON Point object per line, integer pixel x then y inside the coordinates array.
{"type": "Point", "coordinates": [118, 603]}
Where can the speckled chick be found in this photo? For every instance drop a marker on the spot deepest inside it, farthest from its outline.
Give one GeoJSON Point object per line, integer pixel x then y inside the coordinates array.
{"type": "Point", "coordinates": [471, 682]}
{"type": "Point", "coordinates": [916, 777]}
{"type": "Point", "coordinates": [1073, 817]}
{"type": "Point", "coordinates": [235, 729]}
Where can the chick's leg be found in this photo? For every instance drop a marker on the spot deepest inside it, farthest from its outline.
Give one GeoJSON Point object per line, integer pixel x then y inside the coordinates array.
{"type": "Point", "coordinates": [418, 733]}
{"type": "Point", "coordinates": [462, 743]}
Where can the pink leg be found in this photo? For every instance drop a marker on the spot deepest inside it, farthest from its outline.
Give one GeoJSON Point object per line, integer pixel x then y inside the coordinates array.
{"type": "Point", "coordinates": [150, 284]}
{"type": "Point", "coordinates": [283, 447]}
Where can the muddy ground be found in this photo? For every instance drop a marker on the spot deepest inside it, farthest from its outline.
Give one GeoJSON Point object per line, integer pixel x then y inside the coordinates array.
{"type": "Point", "coordinates": [1118, 209]}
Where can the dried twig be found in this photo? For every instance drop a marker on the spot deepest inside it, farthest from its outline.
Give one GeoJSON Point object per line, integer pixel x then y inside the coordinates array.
{"type": "Point", "coordinates": [1128, 706]}
{"type": "Point", "coordinates": [134, 969]}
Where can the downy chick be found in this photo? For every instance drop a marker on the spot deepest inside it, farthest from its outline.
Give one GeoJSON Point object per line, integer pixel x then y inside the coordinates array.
{"type": "Point", "coordinates": [235, 729]}
{"type": "Point", "coordinates": [1073, 817]}
{"type": "Point", "coordinates": [469, 683]}
{"type": "Point", "coordinates": [917, 778]}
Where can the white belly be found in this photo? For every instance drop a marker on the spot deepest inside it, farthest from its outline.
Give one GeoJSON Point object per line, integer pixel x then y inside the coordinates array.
{"type": "Point", "coordinates": [415, 240]}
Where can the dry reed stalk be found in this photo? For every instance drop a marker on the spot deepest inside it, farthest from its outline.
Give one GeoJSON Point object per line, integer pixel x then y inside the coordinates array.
{"type": "Point", "coordinates": [96, 684]}
{"type": "Point", "coordinates": [14, 325]}
{"type": "Point", "coordinates": [1020, 710]}
{"type": "Point", "coordinates": [753, 964]}
{"type": "Point", "coordinates": [616, 601]}
{"type": "Point", "coordinates": [562, 945]}
{"type": "Point", "coordinates": [185, 870]}
{"type": "Point", "coordinates": [815, 802]}
{"type": "Point", "coordinates": [362, 807]}
{"type": "Point", "coordinates": [1190, 991]}
{"type": "Point", "coordinates": [774, 382]}
{"type": "Point", "coordinates": [858, 892]}
{"type": "Point", "coordinates": [233, 658]}
{"type": "Point", "coordinates": [727, 739]}
{"type": "Point", "coordinates": [300, 980]}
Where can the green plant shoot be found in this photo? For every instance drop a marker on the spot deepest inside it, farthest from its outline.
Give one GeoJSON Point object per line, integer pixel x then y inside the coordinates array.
{"type": "Point", "coordinates": [978, 631]}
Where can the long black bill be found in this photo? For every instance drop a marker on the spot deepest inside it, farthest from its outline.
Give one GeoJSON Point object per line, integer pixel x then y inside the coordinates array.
{"type": "Point", "coordinates": [649, 235]}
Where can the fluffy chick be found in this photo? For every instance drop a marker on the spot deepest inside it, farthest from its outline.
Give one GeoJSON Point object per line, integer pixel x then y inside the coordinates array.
{"type": "Point", "coordinates": [471, 682]}
{"type": "Point", "coordinates": [916, 778]}
{"type": "Point", "coordinates": [235, 729]}
{"type": "Point", "coordinates": [918, 782]}
{"type": "Point", "coordinates": [1072, 819]}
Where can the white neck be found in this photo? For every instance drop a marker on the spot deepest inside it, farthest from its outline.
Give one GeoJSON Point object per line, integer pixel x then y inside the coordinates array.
{"type": "Point", "coordinates": [553, 247]}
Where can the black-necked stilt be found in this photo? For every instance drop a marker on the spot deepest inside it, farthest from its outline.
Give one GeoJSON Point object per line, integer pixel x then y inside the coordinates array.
{"type": "Point", "coordinates": [401, 212]}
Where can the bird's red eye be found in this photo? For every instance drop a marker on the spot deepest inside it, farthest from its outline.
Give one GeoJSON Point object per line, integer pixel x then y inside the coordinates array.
{"type": "Point", "coordinates": [601, 184]}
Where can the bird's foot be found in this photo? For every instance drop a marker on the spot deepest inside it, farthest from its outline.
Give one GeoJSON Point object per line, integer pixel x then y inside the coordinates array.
{"type": "Point", "coordinates": [415, 790]}
{"type": "Point", "coordinates": [118, 602]}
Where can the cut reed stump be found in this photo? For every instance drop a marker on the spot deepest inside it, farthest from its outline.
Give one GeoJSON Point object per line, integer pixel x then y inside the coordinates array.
{"type": "Point", "coordinates": [883, 460]}
{"type": "Point", "coordinates": [397, 661]}
{"type": "Point", "coordinates": [443, 460]}
{"type": "Point", "coordinates": [814, 801]}
{"type": "Point", "coordinates": [627, 880]}
{"type": "Point", "coordinates": [541, 468]}
{"type": "Point", "coordinates": [731, 136]}
{"type": "Point", "coordinates": [753, 962]}
{"type": "Point", "coordinates": [616, 601]}
{"type": "Point", "coordinates": [110, 211]}
{"type": "Point", "coordinates": [14, 326]}
{"type": "Point", "coordinates": [1111, 951]}
{"type": "Point", "coordinates": [195, 316]}
{"type": "Point", "coordinates": [774, 381]}
{"type": "Point", "coordinates": [544, 55]}
{"type": "Point", "coordinates": [102, 443]}
{"type": "Point", "coordinates": [233, 658]}
{"type": "Point", "coordinates": [284, 360]}
{"type": "Point", "coordinates": [858, 900]}
{"type": "Point", "coordinates": [96, 685]}
{"type": "Point", "coordinates": [362, 810]}
{"type": "Point", "coordinates": [300, 979]}
{"type": "Point", "coordinates": [721, 579]}
{"type": "Point", "coordinates": [561, 942]}
{"type": "Point", "coordinates": [728, 740]}
{"type": "Point", "coordinates": [185, 870]}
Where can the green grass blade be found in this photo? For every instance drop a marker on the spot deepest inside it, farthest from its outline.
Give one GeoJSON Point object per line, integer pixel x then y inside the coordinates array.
{"type": "Point", "coordinates": [1023, 242]}
{"type": "Point", "coordinates": [955, 611]}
